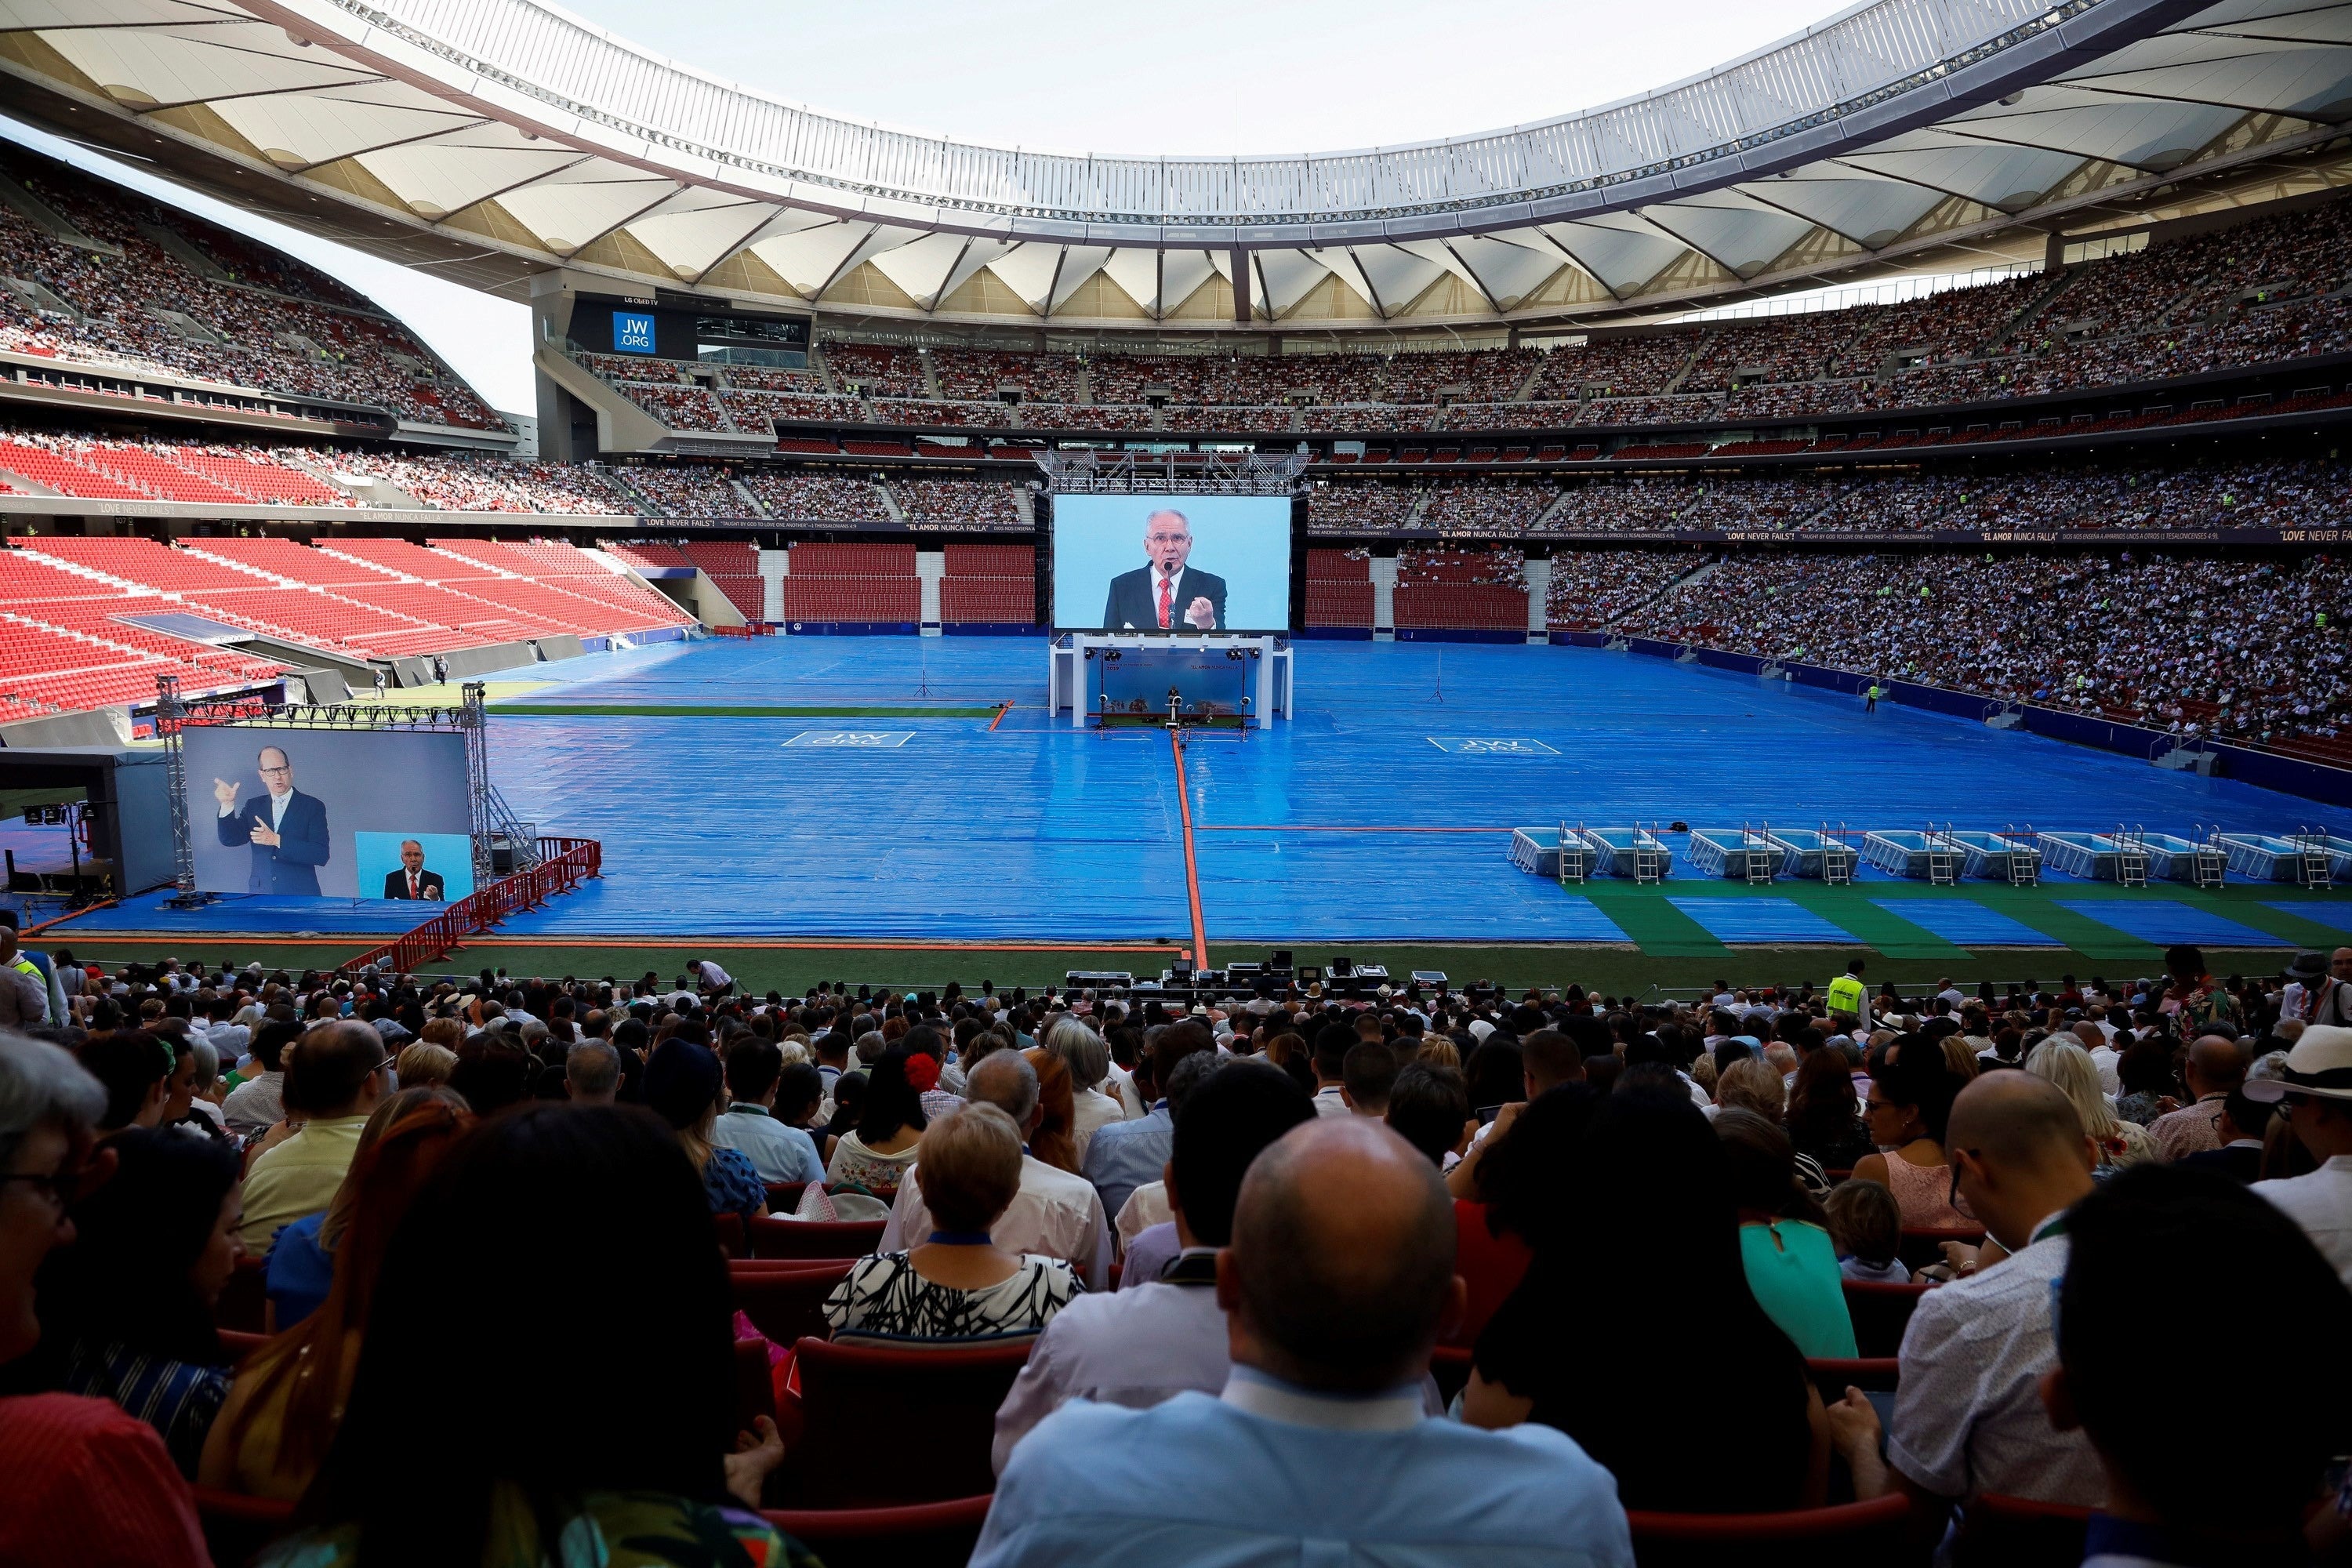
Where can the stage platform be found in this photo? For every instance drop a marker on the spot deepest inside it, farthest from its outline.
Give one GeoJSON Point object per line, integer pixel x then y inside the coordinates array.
{"type": "Point", "coordinates": [878, 791]}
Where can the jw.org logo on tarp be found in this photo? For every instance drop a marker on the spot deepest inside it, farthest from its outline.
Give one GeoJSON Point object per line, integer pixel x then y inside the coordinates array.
{"type": "Point", "coordinates": [632, 334]}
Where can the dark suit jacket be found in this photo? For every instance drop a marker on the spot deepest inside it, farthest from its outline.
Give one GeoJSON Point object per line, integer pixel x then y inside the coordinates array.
{"type": "Point", "coordinates": [1131, 603]}
{"type": "Point", "coordinates": [292, 868]}
{"type": "Point", "coordinates": [395, 884]}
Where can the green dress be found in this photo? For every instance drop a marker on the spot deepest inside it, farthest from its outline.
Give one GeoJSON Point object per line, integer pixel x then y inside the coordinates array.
{"type": "Point", "coordinates": [613, 1529]}
{"type": "Point", "coordinates": [1797, 1283]}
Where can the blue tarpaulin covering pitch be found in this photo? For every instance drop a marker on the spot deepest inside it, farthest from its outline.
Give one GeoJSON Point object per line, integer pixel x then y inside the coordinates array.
{"type": "Point", "coordinates": [2336, 915]}
{"type": "Point", "coordinates": [2166, 921]}
{"type": "Point", "coordinates": [1964, 922]}
{"type": "Point", "coordinates": [1343, 824]}
{"type": "Point", "coordinates": [1759, 921]}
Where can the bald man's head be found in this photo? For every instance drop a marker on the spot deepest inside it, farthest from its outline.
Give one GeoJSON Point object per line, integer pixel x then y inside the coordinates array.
{"type": "Point", "coordinates": [2215, 1066]}
{"type": "Point", "coordinates": [1006, 1081]}
{"type": "Point", "coordinates": [1342, 1266]}
{"type": "Point", "coordinates": [2014, 1122]}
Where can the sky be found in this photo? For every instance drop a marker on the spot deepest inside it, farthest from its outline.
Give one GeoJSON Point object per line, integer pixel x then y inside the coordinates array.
{"type": "Point", "coordinates": [1213, 77]}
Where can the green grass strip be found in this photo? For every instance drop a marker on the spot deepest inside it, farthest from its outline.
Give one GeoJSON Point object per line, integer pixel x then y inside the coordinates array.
{"type": "Point", "coordinates": [712, 710]}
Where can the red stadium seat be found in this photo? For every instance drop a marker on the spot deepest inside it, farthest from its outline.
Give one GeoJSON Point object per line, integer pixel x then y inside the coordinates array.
{"type": "Point", "coordinates": [1849, 1535]}
{"type": "Point", "coordinates": [784, 1299]}
{"type": "Point", "coordinates": [921, 1535]}
{"type": "Point", "coordinates": [784, 1196]}
{"type": "Point", "coordinates": [238, 1527]}
{"type": "Point", "coordinates": [1871, 1375]}
{"type": "Point", "coordinates": [731, 1241]}
{"type": "Point", "coordinates": [859, 1403]}
{"type": "Point", "coordinates": [772, 1237]}
{"type": "Point", "coordinates": [1925, 1245]}
{"type": "Point", "coordinates": [1999, 1531]}
{"type": "Point", "coordinates": [1880, 1314]}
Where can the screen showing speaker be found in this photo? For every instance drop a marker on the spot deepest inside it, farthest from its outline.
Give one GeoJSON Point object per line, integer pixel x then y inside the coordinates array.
{"type": "Point", "coordinates": [1182, 564]}
{"type": "Point", "coordinates": [364, 814]}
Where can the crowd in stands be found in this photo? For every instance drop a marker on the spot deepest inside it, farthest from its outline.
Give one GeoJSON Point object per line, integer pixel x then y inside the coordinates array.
{"type": "Point", "coordinates": [2233, 650]}
{"type": "Point", "coordinates": [1296, 1274]}
{"type": "Point", "coordinates": [1590, 589]}
{"type": "Point", "coordinates": [960, 503]}
{"type": "Point", "coordinates": [133, 297]}
{"type": "Point", "coordinates": [461, 482]}
{"type": "Point", "coordinates": [682, 490]}
{"type": "Point", "coordinates": [2269, 291]}
{"type": "Point", "coordinates": [2284, 493]}
{"type": "Point", "coordinates": [794, 493]}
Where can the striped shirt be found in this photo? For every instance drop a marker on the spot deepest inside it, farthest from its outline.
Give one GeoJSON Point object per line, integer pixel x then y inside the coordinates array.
{"type": "Point", "coordinates": [177, 1398]}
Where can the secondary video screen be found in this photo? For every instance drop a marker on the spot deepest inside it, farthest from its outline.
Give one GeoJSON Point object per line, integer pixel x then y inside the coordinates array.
{"type": "Point", "coordinates": [1182, 564]}
{"type": "Point", "coordinates": [338, 813]}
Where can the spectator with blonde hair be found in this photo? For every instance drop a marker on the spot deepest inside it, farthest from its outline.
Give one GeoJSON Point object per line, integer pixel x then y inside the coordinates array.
{"type": "Point", "coordinates": [2066, 1064]}
{"type": "Point", "coordinates": [424, 1065]}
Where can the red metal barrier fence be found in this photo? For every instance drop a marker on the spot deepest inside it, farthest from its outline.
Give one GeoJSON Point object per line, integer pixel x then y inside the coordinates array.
{"type": "Point", "coordinates": [566, 863]}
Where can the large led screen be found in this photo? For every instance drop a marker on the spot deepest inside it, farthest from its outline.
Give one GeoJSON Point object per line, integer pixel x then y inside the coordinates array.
{"type": "Point", "coordinates": [1182, 564]}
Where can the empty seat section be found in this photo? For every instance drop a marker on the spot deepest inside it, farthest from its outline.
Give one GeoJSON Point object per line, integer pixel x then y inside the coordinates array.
{"type": "Point", "coordinates": [286, 558]}
{"type": "Point", "coordinates": [63, 475]}
{"type": "Point", "coordinates": [147, 563]}
{"type": "Point", "coordinates": [414, 559]}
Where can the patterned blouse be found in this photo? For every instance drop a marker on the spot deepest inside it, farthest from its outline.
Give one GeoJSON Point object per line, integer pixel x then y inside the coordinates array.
{"type": "Point", "coordinates": [733, 1184]}
{"type": "Point", "coordinates": [177, 1398]}
{"type": "Point", "coordinates": [611, 1530]}
{"type": "Point", "coordinates": [884, 1298]}
{"type": "Point", "coordinates": [856, 1165]}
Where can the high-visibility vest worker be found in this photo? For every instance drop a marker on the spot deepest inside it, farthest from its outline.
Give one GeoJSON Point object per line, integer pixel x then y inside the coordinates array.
{"type": "Point", "coordinates": [1848, 996]}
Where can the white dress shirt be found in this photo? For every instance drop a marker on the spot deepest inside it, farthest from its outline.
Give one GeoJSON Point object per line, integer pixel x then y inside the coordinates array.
{"type": "Point", "coordinates": [1134, 1348]}
{"type": "Point", "coordinates": [1089, 1109]}
{"type": "Point", "coordinates": [1055, 1214]}
{"type": "Point", "coordinates": [2321, 1203]}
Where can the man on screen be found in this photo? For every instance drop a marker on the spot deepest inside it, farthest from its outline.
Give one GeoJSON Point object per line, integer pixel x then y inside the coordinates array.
{"type": "Point", "coordinates": [412, 880]}
{"type": "Point", "coordinates": [1166, 596]}
{"type": "Point", "coordinates": [286, 828]}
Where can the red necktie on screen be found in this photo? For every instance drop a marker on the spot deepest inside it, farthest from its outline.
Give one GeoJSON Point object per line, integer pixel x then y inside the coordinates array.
{"type": "Point", "coordinates": [1166, 600]}
{"type": "Point", "coordinates": [412, 884]}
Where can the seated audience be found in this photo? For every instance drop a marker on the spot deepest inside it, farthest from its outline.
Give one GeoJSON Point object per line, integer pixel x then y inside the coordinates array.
{"type": "Point", "coordinates": [137, 1070]}
{"type": "Point", "coordinates": [2066, 1064]}
{"type": "Point", "coordinates": [1139, 1346]}
{"type": "Point", "coordinates": [333, 1079]}
{"type": "Point", "coordinates": [956, 1284]}
{"type": "Point", "coordinates": [1126, 1154]}
{"type": "Point", "coordinates": [424, 1065]}
{"type": "Point", "coordinates": [874, 1151]}
{"type": "Point", "coordinates": [682, 1087]}
{"type": "Point", "coordinates": [1053, 1140]}
{"type": "Point", "coordinates": [301, 1266]}
{"type": "Point", "coordinates": [2167, 1501]}
{"type": "Point", "coordinates": [258, 1101]}
{"type": "Point", "coordinates": [127, 1310]}
{"type": "Point", "coordinates": [1090, 1109]}
{"type": "Point", "coordinates": [2214, 1066]}
{"type": "Point", "coordinates": [1784, 1249]}
{"type": "Point", "coordinates": [2315, 1087]}
{"type": "Point", "coordinates": [1660, 1260]}
{"type": "Point", "coordinates": [82, 1480]}
{"type": "Point", "coordinates": [282, 1410]}
{"type": "Point", "coordinates": [592, 1073]}
{"type": "Point", "coordinates": [1337, 1283]}
{"type": "Point", "coordinates": [1910, 1098]}
{"type": "Point", "coordinates": [525, 1450]}
{"type": "Point", "coordinates": [778, 1151]}
{"type": "Point", "coordinates": [1968, 1417]}
{"type": "Point", "coordinates": [1867, 1229]}
{"type": "Point", "coordinates": [1824, 1118]}
{"type": "Point", "coordinates": [1053, 1215]}
{"type": "Point", "coordinates": [1367, 1073]}
{"type": "Point", "coordinates": [2244, 1124]}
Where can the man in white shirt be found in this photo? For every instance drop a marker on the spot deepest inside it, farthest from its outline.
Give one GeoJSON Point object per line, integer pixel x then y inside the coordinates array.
{"type": "Point", "coordinates": [749, 1125]}
{"type": "Point", "coordinates": [709, 976]}
{"type": "Point", "coordinates": [2316, 997]}
{"type": "Point", "coordinates": [1332, 1044]}
{"type": "Point", "coordinates": [2315, 1083]}
{"type": "Point", "coordinates": [1141, 1345]}
{"type": "Point", "coordinates": [1968, 1417]}
{"type": "Point", "coordinates": [1055, 1214]}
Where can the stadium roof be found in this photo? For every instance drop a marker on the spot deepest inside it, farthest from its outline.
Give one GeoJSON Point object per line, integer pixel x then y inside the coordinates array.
{"type": "Point", "coordinates": [498, 139]}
